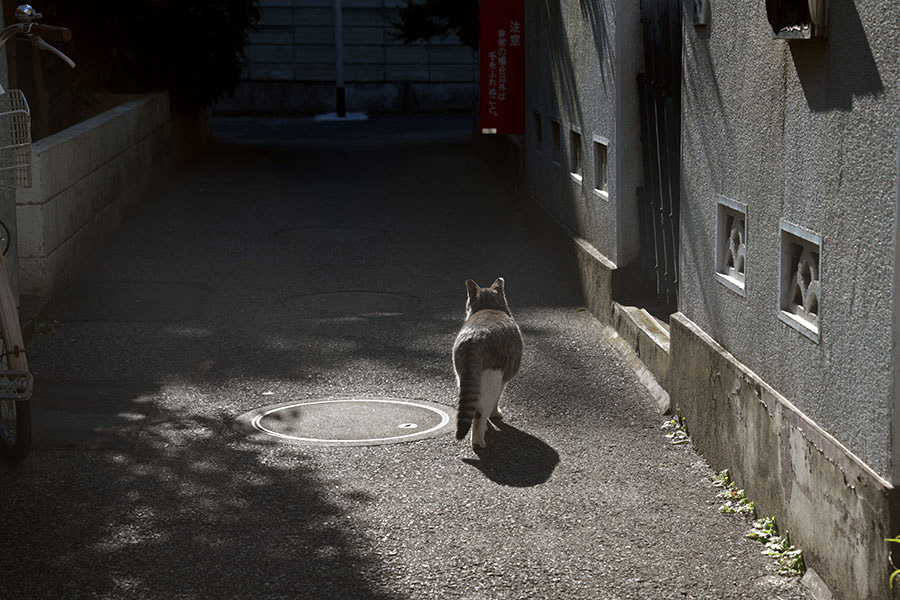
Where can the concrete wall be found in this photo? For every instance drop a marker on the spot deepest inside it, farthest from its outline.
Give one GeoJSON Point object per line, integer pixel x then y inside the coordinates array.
{"type": "Point", "coordinates": [582, 63]}
{"type": "Point", "coordinates": [802, 132]}
{"type": "Point", "coordinates": [291, 62]}
{"type": "Point", "coordinates": [803, 137]}
{"type": "Point", "coordinates": [87, 177]}
{"type": "Point", "coordinates": [836, 509]}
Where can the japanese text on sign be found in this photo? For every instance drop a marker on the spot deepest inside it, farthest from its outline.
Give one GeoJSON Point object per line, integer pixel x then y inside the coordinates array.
{"type": "Point", "coordinates": [502, 106]}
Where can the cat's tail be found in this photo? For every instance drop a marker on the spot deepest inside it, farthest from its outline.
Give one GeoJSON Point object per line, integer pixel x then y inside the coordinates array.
{"type": "Point", "coordinates": [469, 390]}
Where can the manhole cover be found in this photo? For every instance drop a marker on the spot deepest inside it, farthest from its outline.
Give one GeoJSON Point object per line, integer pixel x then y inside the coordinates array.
{"type": "Point", "coordinates": [355, 302]}
{"type": "Point", "coordinates": [330, 234]}
{"type": "Point", "coordinates": [347, 421]}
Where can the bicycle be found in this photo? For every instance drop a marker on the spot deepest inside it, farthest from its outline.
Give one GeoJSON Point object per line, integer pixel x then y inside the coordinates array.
{"type": "Point", "coordinates": [16, 381]}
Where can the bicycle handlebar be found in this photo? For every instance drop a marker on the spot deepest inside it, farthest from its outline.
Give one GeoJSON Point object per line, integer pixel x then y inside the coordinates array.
{"type": "Point", "coordinates": [34, 33]}
{"type": "Point", "coordinates": [51, 32]}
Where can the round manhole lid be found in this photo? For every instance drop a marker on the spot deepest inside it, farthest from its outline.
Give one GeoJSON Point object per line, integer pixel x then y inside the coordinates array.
{"type": "Point", "coordinates": [347, 421]}
{"type": "Point", "coordinates": [330, 234]}
{"type": "Point", "coordinates": [354, 302]}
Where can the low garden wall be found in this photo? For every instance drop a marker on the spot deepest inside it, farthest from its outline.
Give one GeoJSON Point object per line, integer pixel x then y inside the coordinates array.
{"type": "Point", "coordinates": [87, 177]}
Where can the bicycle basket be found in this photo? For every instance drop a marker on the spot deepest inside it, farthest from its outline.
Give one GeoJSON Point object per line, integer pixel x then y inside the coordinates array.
{"type": "Point", "coordinates": [15, 140]}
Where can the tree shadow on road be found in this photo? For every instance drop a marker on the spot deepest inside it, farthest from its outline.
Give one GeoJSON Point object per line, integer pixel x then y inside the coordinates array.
{"type": "Point", "coordinates": [515, 458]}
{"type": "Point", "coordinates": [178, 506]}
{"type": "Point", "coordinates": [138, 488]}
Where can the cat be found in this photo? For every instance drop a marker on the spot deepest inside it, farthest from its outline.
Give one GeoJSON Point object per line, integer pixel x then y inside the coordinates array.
{"type": "Point", "coordinates": [486, 355]}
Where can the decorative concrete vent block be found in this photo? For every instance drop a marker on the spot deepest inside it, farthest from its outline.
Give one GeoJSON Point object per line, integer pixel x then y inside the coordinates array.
{"type": "Point", "coordinates": [576, 167]}
{"type": "Point", "coordinates": [801, 252]}
{"type": "Point", "coordinates": [731, 244]}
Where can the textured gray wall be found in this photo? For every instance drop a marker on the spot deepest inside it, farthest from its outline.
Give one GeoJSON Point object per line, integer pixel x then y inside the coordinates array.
{"type": "Point", "coordinates": [582, 65]}
{"type": "Point", "coordinates": [804, 131]}
{"type": "Point", "coordinates": [291, 61]}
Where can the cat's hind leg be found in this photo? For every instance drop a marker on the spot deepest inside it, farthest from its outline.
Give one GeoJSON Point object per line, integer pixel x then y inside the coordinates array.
{"type": "Point", "coordinates": [479, 428]}
{"type": "Point", "coordinates": [497, 414]}
{"type": "Point", "coordinates": [488, 401]}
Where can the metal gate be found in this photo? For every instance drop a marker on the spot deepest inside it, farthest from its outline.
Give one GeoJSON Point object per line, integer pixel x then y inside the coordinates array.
{"type": "Point", "coordinates": [660, 105]}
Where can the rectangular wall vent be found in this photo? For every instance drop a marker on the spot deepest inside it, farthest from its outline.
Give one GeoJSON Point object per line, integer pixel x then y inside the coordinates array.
{"type": "Point", "coordinates": [801, 286]}
{"type": "Point", "coordinates": [601, 167]}
{"type": "Point", "coordinates": [556, 140]}
{"type": "Point", "coordinates": [538, 132]}
{"type": "Point", "coordinates": [797, 19]}
{"type": "Point", "coordinates": [731, 244]}
{"type": "Point", "coordinates": [576, 168]}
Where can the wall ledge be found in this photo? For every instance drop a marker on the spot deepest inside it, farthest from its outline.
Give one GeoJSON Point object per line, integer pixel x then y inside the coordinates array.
{"type": "Point", "coordinates": [837, 509]}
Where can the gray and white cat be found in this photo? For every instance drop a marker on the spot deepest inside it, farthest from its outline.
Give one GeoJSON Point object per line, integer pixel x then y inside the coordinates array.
{"type": "Point", "coordinates": [486, 355]}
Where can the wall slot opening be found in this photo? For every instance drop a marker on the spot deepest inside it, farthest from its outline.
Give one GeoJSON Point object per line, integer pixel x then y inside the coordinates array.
{"type": "Point", "coordinates": [601, 167]}
{"type": "Point", "coordinates": [797, 19]}
{"type": "Point", "coordinates": [556, 140]}
{"type": "Point", "coordinates": [731, 244]}
{"type": "Point", "coordinates": [801, 288]}
{"type": "Point", "coordinates": [538, 132]}
{"type": "Point", "coordinates": [576, 169]}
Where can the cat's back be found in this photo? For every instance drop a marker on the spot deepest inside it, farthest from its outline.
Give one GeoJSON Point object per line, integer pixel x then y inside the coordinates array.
{"type": "Point", "coordinates": [495, 338]}
{"type": "Point", "coordinates": [488, 323]}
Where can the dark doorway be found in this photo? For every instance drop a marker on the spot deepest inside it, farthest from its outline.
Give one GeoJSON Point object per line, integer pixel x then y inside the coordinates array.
{"type": "Point", "coordinates": [660, 105]}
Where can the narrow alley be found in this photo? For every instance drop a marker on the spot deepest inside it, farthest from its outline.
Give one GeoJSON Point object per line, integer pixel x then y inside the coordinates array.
{"type": "Point", "coordinates": [296, 260]}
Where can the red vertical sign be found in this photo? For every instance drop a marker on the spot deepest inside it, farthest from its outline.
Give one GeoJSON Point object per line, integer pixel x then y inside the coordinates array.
{"type": "Point", "coordinates": [502, 57]}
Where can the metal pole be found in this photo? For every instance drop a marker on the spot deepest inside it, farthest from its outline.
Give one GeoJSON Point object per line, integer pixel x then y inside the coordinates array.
{"type": "Point", "coordinates": [339, 58]}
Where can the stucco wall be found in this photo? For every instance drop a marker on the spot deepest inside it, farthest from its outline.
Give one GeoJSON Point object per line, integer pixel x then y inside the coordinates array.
{"type": "Point", "coordinates": [802, 131]}
{"type": "Point", "coordinates": [581, 73]}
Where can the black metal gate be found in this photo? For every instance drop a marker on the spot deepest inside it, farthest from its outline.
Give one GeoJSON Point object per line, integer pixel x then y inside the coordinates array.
{"type": "Point", "coordinates": [660, 104]}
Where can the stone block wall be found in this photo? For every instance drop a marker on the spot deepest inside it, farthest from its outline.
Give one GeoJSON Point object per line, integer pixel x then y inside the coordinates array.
{"type": "Point", "coordinates": [85, 180]}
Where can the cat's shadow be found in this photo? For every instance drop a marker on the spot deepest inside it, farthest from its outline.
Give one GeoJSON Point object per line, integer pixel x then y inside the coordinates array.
{"type": "Point", "coordinates": [514, 458]}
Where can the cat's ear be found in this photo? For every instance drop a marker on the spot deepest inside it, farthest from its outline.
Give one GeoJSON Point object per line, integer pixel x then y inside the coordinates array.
{"type": "Point", "coordinates": [471, 289]}
{"type": "Point", "coordinates": [498, 284]}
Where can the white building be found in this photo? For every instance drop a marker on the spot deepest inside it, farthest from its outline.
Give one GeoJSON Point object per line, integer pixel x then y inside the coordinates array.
{"type": "Point", "coordinates": [292, 62]}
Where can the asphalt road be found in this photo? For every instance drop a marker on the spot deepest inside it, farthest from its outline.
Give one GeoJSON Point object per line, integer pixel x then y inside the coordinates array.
{"type": "Point", "coordinates": [294, 261]}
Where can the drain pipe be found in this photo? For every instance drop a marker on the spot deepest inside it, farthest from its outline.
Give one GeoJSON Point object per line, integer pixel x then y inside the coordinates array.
{"type": "Point", "coordinates": [339, 58]}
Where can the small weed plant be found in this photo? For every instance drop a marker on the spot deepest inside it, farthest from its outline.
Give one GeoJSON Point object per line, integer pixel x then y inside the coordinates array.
{"type": "Point", "coordinates": [677, 428]}
{"type": "Point", "coordinates": [788, 558]}
{"type": "Point", "coordinates": [735, 502]}
{"type": "Point", "coordinates": [42, 327]}
{"type": "Point", "coordinates": [896, 570]}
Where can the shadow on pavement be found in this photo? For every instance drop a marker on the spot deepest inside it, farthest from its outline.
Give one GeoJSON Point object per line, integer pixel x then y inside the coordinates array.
{"type": "Point", "coordinates": [191, 511]}
{"type": "Point", "coordinates": [515, 458]}
{"type": "Point", "coordinates": [138, 487]}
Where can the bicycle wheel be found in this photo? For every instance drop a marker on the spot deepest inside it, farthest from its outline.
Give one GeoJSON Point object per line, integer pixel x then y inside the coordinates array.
{"type": "Point", "coordinates": [15, 414]}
